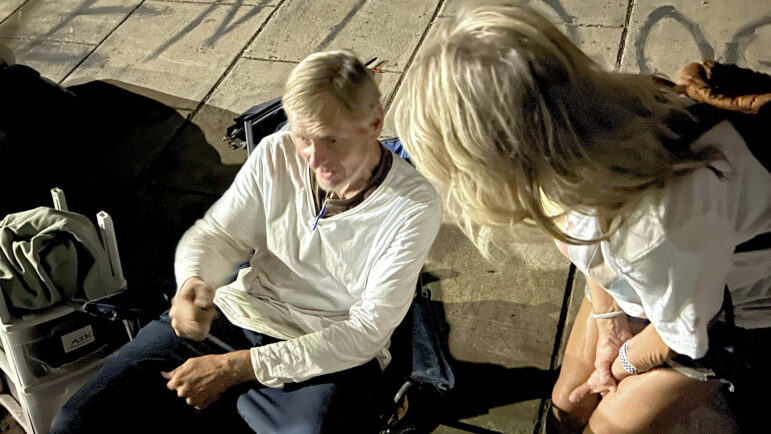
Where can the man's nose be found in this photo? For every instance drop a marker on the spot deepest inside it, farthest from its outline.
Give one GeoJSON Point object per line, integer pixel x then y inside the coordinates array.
{"type": "Point", "coordinates": [316, 155]}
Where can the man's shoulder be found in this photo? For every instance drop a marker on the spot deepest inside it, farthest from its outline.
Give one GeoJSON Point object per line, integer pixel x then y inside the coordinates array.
{"type": "Point", "coordinates": [275, 149]}
{"type": "Point", "coordinates": [279, 141]}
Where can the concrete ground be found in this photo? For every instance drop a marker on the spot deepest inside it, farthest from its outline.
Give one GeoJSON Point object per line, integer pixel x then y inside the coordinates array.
{"type": "Point", "coordinates": [176, 72]}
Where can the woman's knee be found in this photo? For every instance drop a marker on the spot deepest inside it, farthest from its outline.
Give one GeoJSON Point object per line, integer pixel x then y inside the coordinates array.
{"type": "Point", "coordinates": [574, 373]}
{"type": "Point", "coordinates": [645, 400]}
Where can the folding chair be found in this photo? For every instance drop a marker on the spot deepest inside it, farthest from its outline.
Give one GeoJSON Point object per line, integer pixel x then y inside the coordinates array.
{"type": "Point", "coordinates": [49, 354]}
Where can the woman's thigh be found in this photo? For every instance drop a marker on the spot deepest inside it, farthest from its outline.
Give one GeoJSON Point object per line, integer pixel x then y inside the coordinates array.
{"type": "Point", "coordinates": [577, 366]}
{"type": "Point", "coordinates": [656, 398]}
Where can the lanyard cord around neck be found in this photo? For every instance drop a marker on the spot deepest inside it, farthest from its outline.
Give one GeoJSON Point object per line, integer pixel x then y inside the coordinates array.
{"type": "Point", "coordinates": [323, 210]}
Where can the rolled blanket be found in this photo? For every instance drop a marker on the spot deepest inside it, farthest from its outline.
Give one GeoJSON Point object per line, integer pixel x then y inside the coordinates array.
{"type": "Point", "coordinates": [728, 87]}
{"type": "Point", "coordinates": [47, 256]}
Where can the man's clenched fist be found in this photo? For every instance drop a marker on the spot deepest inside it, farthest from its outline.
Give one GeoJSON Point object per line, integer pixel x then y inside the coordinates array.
{"type": "Point", "coordinates": [192, 309]}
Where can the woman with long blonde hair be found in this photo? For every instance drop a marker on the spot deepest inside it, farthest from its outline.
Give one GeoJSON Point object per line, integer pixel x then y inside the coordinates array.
{"type": "Point", "coordinates": [514, 124]}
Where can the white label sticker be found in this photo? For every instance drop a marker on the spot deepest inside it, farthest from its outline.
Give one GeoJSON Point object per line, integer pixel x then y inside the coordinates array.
{"type": "Point", "coordinates": [78, 338]}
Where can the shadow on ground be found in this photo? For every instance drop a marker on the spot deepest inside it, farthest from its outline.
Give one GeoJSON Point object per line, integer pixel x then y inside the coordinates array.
{"type": "Point", "coordinates": [479, 387]}
{"type": "Point", "coordinates": [105, 144]}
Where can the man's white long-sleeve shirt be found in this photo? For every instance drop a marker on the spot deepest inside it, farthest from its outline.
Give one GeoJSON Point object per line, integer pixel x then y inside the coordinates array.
{"type": "Point", "coordinates": [334, 294]}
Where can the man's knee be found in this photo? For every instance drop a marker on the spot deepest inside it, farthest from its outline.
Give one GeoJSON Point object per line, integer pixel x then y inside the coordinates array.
{"type": "Point", "coordinates": [264, 414]}
{"type": "Point", "coordinates": [70, 419]}
{"type": "Point", "coordinates": [128, 379]}
{"type": "Point", "coordinates": [64, 420]}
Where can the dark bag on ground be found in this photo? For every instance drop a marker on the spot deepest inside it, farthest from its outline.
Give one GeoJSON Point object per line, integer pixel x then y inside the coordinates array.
{"type": "Point", "coordinates": [263, 120]}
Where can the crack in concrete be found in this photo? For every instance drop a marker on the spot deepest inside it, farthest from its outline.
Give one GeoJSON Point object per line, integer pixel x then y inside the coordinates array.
{"type": "Point", "coordinates": [431, 22]}
{"type": "Point", "coordinates": [624, 34]}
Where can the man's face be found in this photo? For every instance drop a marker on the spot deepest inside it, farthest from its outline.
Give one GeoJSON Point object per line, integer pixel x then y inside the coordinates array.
{"type": "Point", "coordinates": [339, 150]}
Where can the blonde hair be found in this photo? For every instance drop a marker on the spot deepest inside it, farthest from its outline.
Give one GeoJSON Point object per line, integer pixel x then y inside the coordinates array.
{"type": "Point", "coordinates": [336, 73]}
{"type": "Point", "coordinates": [504, 108]}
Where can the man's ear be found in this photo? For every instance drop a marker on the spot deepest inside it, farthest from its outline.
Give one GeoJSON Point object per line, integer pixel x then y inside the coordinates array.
{"type": "Point", "coordinates": [376, 120]}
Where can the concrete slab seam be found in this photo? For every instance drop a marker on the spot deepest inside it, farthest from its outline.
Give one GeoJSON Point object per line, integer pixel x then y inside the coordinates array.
{"type": "Point", "coordinates": [262, 59]}
{"type": "Point", "coordinates": [101, 42]}
{"type": "Point", "coordinates": [177, 134]}
{"type": "Point", "coordinates": [624, 34]}
{"type": "Point", "coordinates": [23, 38]}
{"type": "Point", "coordinates": [594, 26]}
{"type": "Point", "coordinates": [558, 339]}
{"type": "Point", "coordinates": [14, 11]}
{"type": "Point", "coordinates": [294, 62]}
{"type": "Point", "coordinates": [218, 3]}
{"type": "Point", "coordinates": [407, 65]}
{"type": "Point", "coordinates": [236, 59]}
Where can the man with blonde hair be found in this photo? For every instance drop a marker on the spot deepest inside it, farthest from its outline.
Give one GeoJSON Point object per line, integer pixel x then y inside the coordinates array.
{"type": "Point", "coordinates": [337, 229]}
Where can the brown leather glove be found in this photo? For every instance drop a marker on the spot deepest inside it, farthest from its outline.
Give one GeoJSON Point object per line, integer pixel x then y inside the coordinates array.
{"type": "Point", "coordinates": [728, 87]}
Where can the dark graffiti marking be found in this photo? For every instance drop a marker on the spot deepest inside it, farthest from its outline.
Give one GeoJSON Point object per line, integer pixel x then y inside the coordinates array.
{"type": "Point", "coordinates": [743, 37]}
{"type": "Point", "coordinates": [732, 51]}
{"type": "Point", "coordinates": [705, 49]}
{"type": "Point", "coordinates": [566, 18]}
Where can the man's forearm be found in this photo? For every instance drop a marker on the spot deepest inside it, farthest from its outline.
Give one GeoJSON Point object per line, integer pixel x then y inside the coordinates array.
{"type": "Point", "coordinates": [240, 364]}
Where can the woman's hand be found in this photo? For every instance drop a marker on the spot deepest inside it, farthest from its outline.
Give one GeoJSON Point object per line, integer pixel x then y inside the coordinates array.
{"type": "Point", "coordinates": [612, 333]}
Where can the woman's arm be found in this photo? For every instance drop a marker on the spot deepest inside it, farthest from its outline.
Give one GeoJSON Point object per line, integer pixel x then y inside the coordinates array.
{"type": "Point", "coordinates": [612, 326]}
{"type": "Point", "coordinates": [645, 351]}
{"type": "Point", "coordinates": [612, 331]}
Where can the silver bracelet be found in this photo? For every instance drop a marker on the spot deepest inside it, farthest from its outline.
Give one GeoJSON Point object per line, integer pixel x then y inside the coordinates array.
{"type": "Point", "coordinates": [628, 367]}
{"type": "Point", "coordinates": [608, 314]}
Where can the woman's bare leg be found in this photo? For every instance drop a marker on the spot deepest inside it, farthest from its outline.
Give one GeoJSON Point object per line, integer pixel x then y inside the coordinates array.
{"type": "Point", "coordinates": [653, 399]}
{"type": "Point", "coordinates": [577, 366]}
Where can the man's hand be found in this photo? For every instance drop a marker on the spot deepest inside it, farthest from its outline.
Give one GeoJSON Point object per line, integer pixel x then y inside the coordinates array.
{"type": "Point", "coordinates": [192, 309]}
{"type": "Point", "coordinates": [612, 333]}
{"type": "Point", "coordinates": [201, 381]}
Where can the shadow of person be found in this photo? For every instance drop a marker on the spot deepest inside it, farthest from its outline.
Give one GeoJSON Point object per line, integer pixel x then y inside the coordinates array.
{"type": "Point", "coordinates": [106, 144]}
{"type": "Point", "coordinates": [478, 387]}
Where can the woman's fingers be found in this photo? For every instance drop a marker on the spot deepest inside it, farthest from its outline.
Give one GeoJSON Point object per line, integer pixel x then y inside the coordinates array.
{"type": "Point", "coordinates": [597, 383]}
{"type": "Point", "coordinates": [580, 393]}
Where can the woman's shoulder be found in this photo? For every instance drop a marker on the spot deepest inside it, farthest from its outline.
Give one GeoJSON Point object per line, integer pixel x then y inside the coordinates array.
{"type": "Point", "coordinates": [681, 215]}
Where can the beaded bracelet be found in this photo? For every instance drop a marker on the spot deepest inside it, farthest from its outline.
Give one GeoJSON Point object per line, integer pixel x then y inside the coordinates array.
{"type": "Point", "coordinates": [628, 367]}
{"type": "Point", "coordinates": [608, 314]}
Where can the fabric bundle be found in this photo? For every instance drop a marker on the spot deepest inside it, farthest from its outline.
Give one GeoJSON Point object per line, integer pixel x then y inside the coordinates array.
{"type": "Point", "coordinates": [48, 256]}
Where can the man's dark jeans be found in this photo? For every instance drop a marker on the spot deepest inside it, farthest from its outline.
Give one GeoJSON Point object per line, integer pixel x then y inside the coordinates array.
{"type": "Point", "coordinates": [130, 395]}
